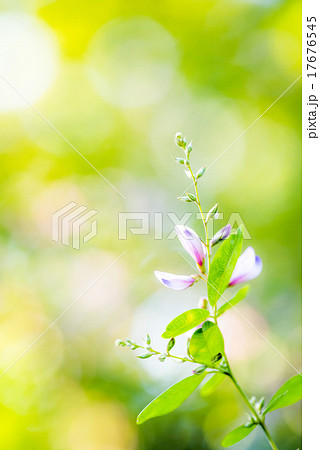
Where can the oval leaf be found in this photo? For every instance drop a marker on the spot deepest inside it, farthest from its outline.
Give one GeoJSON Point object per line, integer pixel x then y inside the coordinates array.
{"type": "Point", "coordinates": [185, 322]}
{"type": "Point", "coordinates": [237, 435]}
{"type": "Point", "coordinates": [240, 295]}
{"type": "Point", "coordinates": [212, 384]}
{"type": "Point", "coordinates": [206, 343]}
{"type": "Point", "coordinates": [222, 266]}
{"type": "Point", "coordinates": [289, 393]}
{"type": "Point", "coordinates": [170, 399]}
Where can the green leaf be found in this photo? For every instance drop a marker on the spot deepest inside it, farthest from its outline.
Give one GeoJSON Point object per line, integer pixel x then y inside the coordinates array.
{"type": "Point", "coordinates": [240, 295]}
{"type": "Point", "coordinates": [185, 322]}
{"type": "Point", "coordinates": [206, 343]}
{"type": "Point", "coordinates": [212, 384]}
{"type": "Point", "coordinates": [237, 435]}
{"type": "Point", "coordinates": [170, 399]}
{"type": "Point", "coordinates": [272, 405]}
{"type": "Point", "coordinates": [223, 265]}
{"type": "Point", "coordinates": [289, 393]}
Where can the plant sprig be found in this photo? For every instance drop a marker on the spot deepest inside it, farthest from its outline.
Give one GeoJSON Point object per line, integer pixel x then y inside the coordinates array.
{"type": "Point", "coordinates": [220, 270]}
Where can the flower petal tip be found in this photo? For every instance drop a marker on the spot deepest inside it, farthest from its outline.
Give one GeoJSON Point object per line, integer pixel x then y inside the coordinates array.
{"type": "Point", "coordinates": [176, 282]}
{"type": "Point", "coordinates": [248, 267]}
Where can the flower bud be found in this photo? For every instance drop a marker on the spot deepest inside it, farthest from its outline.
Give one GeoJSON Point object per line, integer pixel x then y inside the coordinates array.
{"type": "Point", "coordinates": [162, 357]}
{"type": "Point", "coordinates": [145, 355]}
{"type": "Point", "coordinates": [171, 344]}
{"type": "Point", "coordinates": [180, 160]}
{"type": "Point", "coordinates": [217, 358]}
{"type": "Point", "coordinates": [221, 235]}
{"type": "Point", "coordinates": [260, 403]}
{"type": "Point", "coordinates": [189, 149]}
{"type": "Point", "coordinates": [203, 303]}
{"type": "Point", "coordinates": [200, 172]}
{"type": "Point", "coordinates": [192, 197]}
{"type": "Point", "coordinates": [120, 343]}
{"type": "Point", "coordinates": [212, 212]}
{"type": "Point", "coordinates": [250, 422]}
{"type": "Point", "coordinates": [180, 141]}
{"type": "Point", "coordinates": [223, 364]}
{"type": "Point", "coordinates": [185, 198]}
{"type": "Point", "coordinates": [199, 370]}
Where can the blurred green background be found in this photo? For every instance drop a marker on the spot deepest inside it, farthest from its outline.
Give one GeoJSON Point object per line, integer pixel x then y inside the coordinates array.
{"type": "Point", "coordinates": [118, 79]}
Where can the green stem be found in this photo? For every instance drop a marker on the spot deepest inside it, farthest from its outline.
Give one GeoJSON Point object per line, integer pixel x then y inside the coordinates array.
{"type": "Point", "coordinates": [271, 441]}
{"type": "Point", "coordinates": [259, 420]}
{"type": "Point", "coordinates": [180, 358]}
{"type": "Point", "coordinates": [205, 228]}
{"type": "Point", "coordinates": [195, 184]}
{"type": "Point", "coordinates": [202, 217]}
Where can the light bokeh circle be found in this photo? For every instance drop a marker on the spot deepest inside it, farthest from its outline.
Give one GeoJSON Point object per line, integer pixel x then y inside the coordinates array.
{"type": "Point", "coordinates": [132, 62]}
{"type": "Point", "coordinates": [28, 59]}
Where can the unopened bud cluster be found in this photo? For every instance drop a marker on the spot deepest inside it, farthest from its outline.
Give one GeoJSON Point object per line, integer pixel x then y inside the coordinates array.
{"type": "Point", "coordinates": [181, 142]}
{"type": "Point", "coordinates": [149, 350]}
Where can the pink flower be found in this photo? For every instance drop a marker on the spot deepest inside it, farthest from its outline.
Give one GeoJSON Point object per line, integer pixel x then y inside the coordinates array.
{"type": "Point", "coordinates": [192, 244]}
{"type": "Point", "coordinates": [248, 267]}
{"type": "Point", "coordinates": [176, 282]}
{"type": "Point", "coordinates": [221, 235]}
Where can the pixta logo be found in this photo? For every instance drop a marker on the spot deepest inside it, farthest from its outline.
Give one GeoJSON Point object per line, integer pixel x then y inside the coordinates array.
{"type": "Point", "coordinates": [68, 221]}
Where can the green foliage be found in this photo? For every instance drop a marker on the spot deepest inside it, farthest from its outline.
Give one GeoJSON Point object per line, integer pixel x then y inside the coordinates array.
{"type": "Point", "coordinates": [211, 385]}
{"type": "Point", "coordinates": [223, 265]}
{"type": "Point", "coordinates": [206, 346]}
{"type": "Point", "coordinates": [170, 399]}
{"type": "Point", "coordinates": [206, 343]}
{"type": "Point", "coordinates": [289, 393]}
{"type": "Point", "coordinates": [237, 435]}
{"type": "Point", "coordinates": [240, 295]}
{"type": "Point", "coordinates": [120, 140]}
{"type": "Point", "coordinates": [185, 322]}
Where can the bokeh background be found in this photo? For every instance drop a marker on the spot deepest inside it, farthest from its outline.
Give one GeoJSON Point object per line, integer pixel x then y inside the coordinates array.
{"type": "Point", "coordinates": [118, 79]}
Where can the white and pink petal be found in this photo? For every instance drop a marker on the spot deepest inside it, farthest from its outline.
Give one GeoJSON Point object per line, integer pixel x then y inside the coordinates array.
{"type": "Point", "coordinates": [173, 281]}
